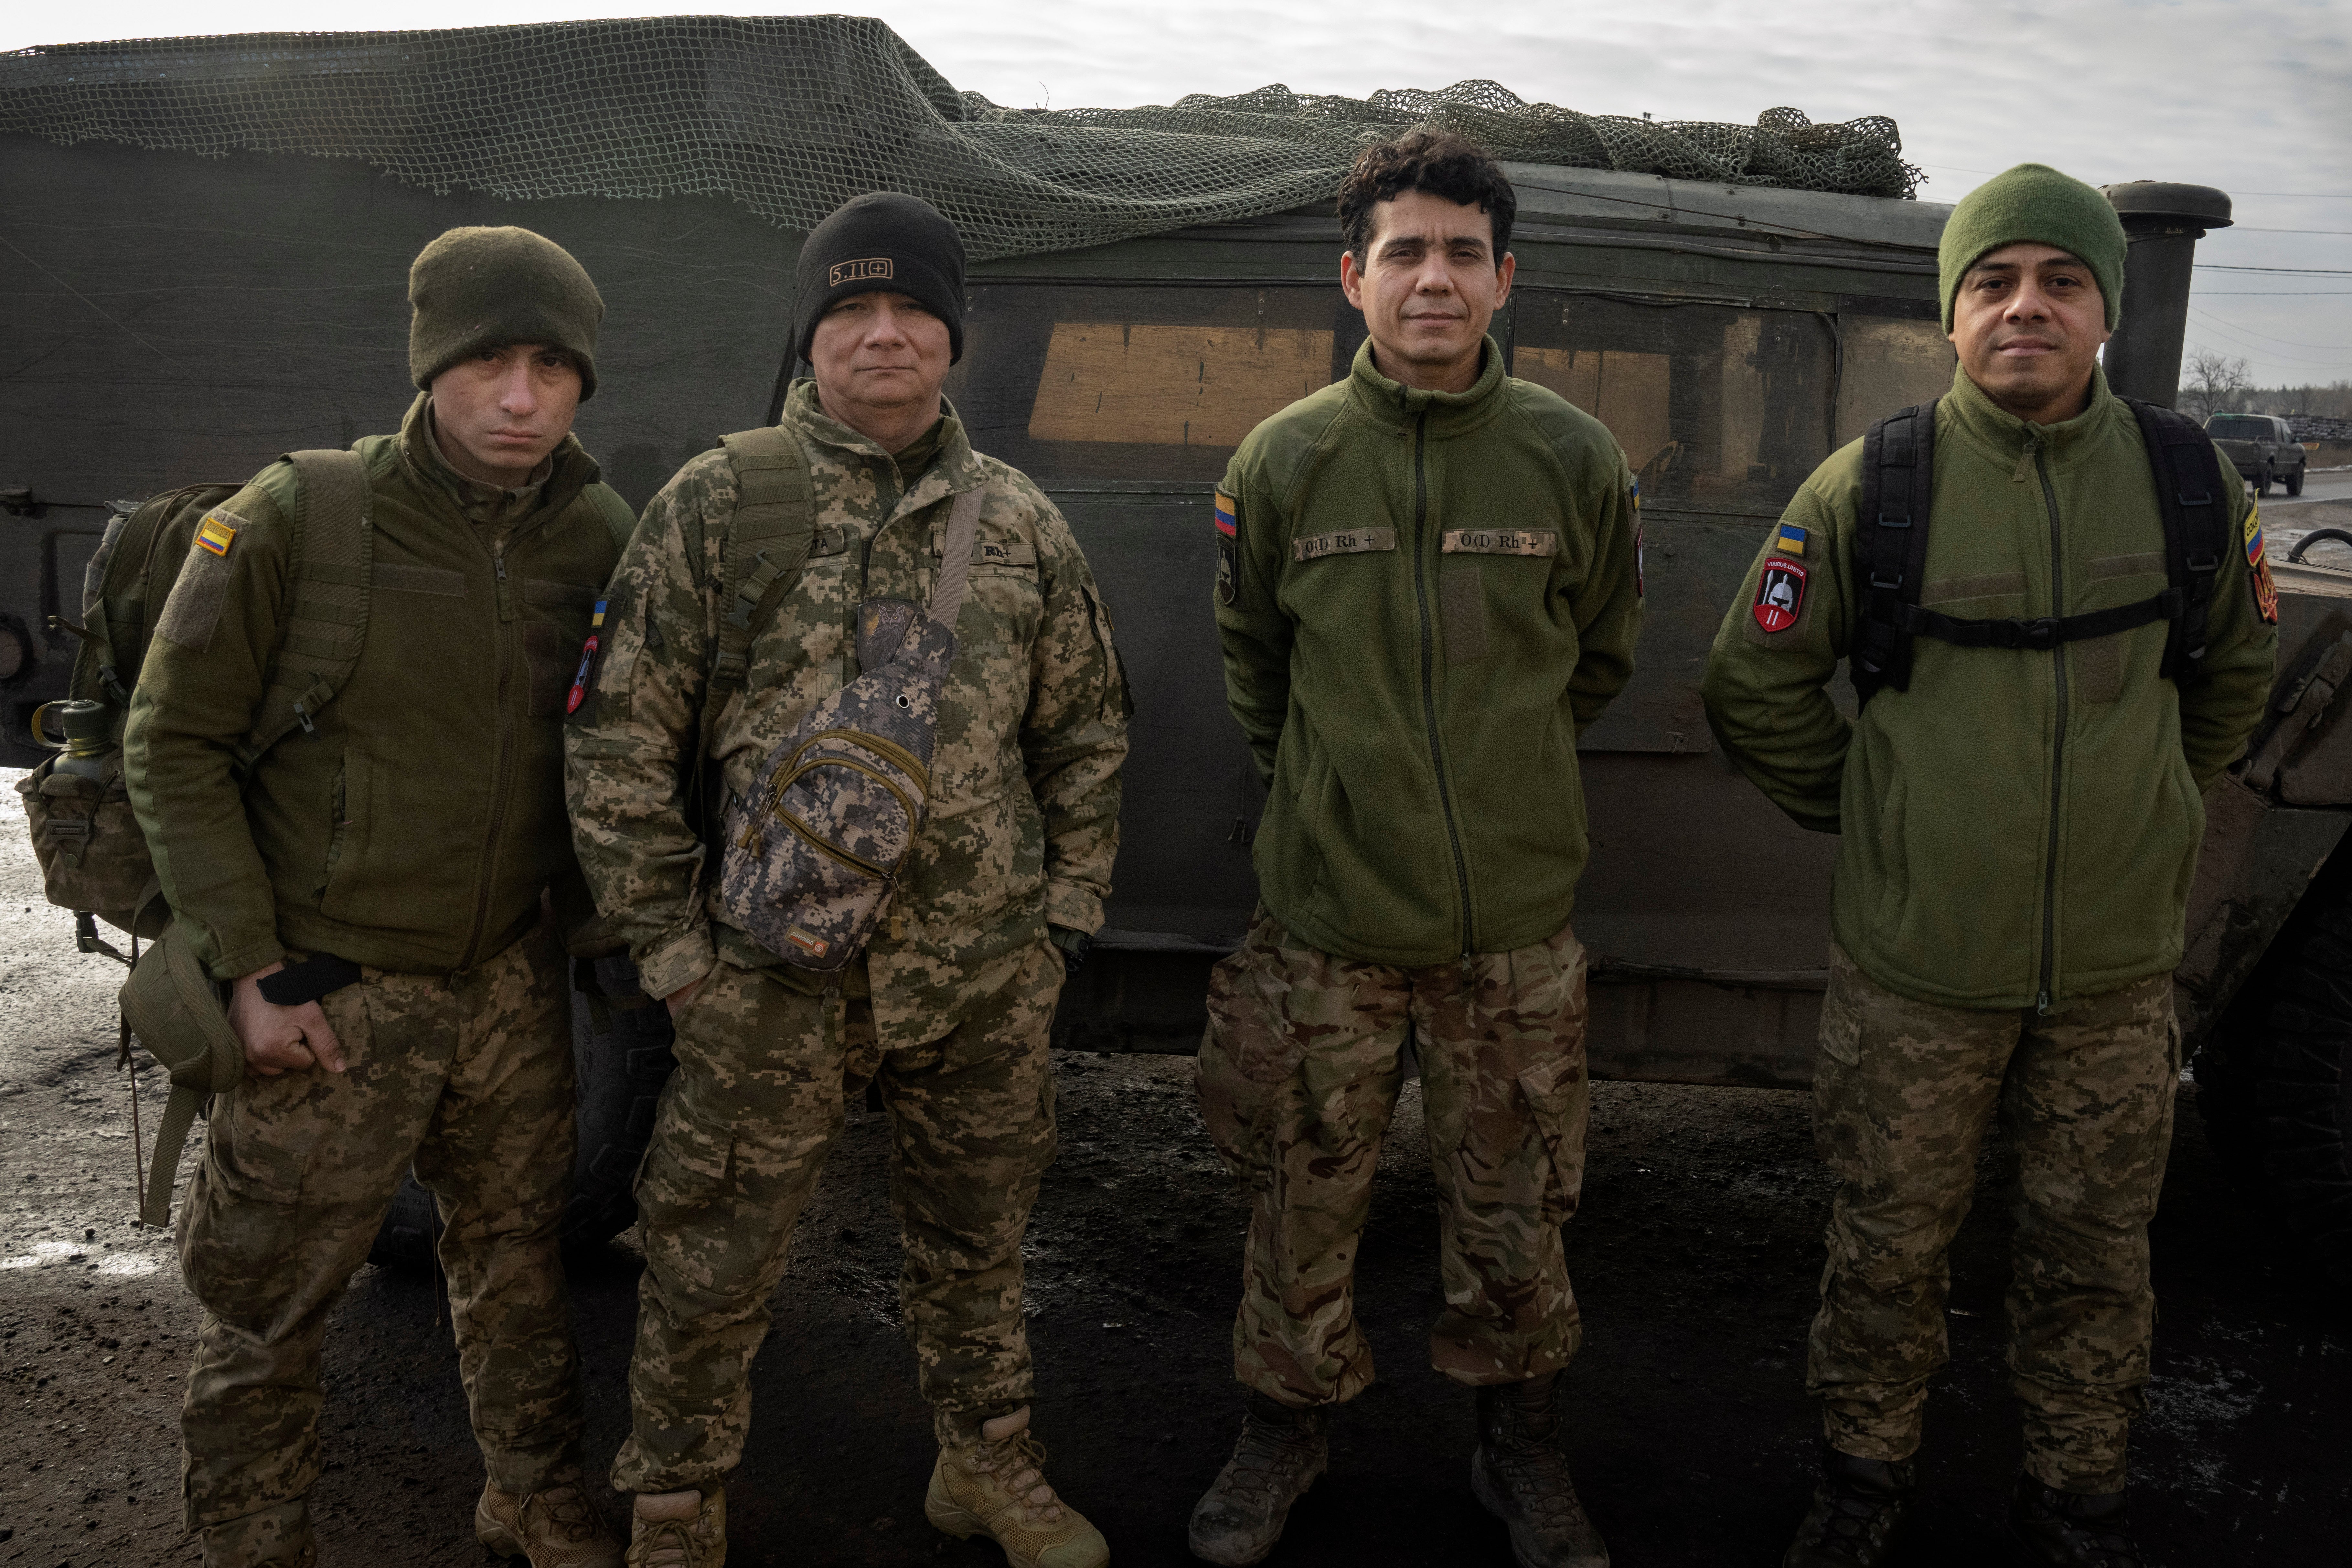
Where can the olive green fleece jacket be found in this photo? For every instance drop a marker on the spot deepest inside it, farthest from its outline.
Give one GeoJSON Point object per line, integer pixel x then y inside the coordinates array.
{"type": "Point", "coordinates": [2020, 826]}
{"type": "Point", "coordinates": [1424, 597]}
{"type": "Point", "coordinates": [415, 829]}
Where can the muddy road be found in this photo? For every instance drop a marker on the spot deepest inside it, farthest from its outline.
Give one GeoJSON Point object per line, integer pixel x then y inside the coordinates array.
{"type": "Point", "coordinates": [1696, 1259]}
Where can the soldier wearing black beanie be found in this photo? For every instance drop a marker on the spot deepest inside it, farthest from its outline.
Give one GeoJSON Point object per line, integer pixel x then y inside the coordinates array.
{"type": "Point", "coordinates": [873, 243]}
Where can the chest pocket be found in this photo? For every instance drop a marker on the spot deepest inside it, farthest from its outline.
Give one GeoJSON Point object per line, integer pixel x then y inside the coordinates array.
{"type": "Point", "coordinates": [554, 633]}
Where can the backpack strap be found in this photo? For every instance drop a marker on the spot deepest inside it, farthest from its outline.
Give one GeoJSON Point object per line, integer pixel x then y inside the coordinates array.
{"type": "Point", "coordinates": [326, 619]}
{"type": "Point", "coordinates": [955, 557]}
{"type": "Point", "coordinates": [1890, 545]}
{"type": "Point", "coordinates": [614, 510]}
{"type": "Point", "coordinates": [2188, 493]}
{"type": "Point", "coordinates": [767, 543]}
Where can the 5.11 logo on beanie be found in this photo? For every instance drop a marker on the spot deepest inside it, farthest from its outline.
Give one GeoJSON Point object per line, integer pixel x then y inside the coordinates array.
{"type": "Point", "coordinates": [873, 269]}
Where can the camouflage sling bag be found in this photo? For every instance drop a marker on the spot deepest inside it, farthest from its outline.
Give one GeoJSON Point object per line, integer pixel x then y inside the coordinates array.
{"type": "Point", "coordinates": [809, 859]}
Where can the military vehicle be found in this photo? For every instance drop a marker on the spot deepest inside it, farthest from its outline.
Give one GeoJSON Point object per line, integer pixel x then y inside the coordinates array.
{"type": "Point", "coordinates": [175, 318]}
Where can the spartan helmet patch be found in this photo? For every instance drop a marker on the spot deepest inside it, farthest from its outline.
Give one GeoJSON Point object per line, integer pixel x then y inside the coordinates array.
{"type": "Point", "coordinates": [1779, 595]}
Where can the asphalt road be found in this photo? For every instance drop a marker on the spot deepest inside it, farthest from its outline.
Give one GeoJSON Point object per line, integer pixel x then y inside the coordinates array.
{"type": "Point", "coordinates": [1696, 1259]}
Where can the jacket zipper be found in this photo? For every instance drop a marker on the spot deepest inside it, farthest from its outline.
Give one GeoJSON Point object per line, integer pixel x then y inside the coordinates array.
{"type": "Point", "coordinates": [1429, 663]}
{"type": "Point", "coordinates": [2058, 743]}
{"type": "Point", "coordinates": [497, 769]}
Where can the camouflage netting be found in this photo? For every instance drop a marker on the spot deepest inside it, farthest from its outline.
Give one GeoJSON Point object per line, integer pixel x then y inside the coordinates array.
{"type": "Point", "coordinates": [792, 115]}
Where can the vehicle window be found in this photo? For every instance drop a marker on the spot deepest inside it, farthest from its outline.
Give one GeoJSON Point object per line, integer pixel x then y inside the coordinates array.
{"type": "Point", "coordinates": [1888, 364]}
{"type": "Point", "coordinates": [1076, 382]}
{"type": "Point", "coordinates": [2237, 427]}
{"type": "Point", "coordinates": [1718, 408]}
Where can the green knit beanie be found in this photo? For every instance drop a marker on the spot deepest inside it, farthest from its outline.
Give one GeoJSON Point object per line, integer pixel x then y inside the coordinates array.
{"type": "Point", "coordinates": [476, 289]}
{"type": "Point", "coordinates": [2034, 203]}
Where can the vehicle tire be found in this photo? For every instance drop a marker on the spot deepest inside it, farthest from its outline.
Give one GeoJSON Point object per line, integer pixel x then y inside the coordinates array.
{"type": "Point", "coordinates": [2295, 480]}
{"type": "Point", "coordinates": [2261, 483]}
{"type": "Point", "coordinates": [2274, 1086]}
{"type": "Point", "coordinates": [620, 1049]}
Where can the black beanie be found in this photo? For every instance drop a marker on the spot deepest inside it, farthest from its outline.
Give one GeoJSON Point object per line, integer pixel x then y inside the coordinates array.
{"type": "Point", "coordinates": [476, 289]}
{"type": "Point", "coordinates": [872, 244]}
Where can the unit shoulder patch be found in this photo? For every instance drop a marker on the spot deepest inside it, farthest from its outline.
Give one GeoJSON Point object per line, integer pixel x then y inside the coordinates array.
{"type": "Point", "coordinates": [1227, 512]}
{"type": "Point", "coordinates": [1498, 541]}
{"type": "Point", "coordinates": [2258, 567]}
{"type": "Point", "coordinates": [1779, 595]}
{"type": "Point", "coordinates": [1346, 542]}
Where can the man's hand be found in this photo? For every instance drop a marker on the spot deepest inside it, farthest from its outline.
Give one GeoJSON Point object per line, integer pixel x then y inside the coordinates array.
{"type": "Point", "coordinates": [677, 1000]}
{"type": "Point", "coordinates": [278, 1038]}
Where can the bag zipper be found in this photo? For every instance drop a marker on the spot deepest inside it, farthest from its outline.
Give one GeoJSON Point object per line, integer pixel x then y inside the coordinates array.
{"type": "Point", "coordinates": [890, 749]}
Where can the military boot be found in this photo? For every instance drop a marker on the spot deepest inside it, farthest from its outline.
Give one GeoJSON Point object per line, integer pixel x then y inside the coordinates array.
{"type": "Point", "coordinates": [1856, 1510]}
{"type": "Point", "coordinates": [994, 1485]}
{"type": "Point", "coordinates": [278, 1536]}
{"type": "Point", "coordinates": [2050, 1528]}
{"type": "Point", "coordinates": [558, 1526]}
{"type": "Point", "coordinates": [678, 1529]}
{"type": "Point", "coordinates": [1282, 1452]}
{"type": "Point", "coordinates": [1520, 1477]}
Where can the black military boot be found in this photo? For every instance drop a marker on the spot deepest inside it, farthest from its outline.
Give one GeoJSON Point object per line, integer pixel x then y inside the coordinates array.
{"type": "Point", "coordinates": [1521, 1478]}
{"type": "Point", "coordinates": [2050, 1528]}
{"type": "Point", "coordinates": [1856, 1510]}
{"type": "Point", "coordinates": [1281, 1452]}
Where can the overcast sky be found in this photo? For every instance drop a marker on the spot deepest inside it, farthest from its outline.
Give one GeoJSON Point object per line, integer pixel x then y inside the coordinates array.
{"type": "Point", "coordinates": [2255, 98]}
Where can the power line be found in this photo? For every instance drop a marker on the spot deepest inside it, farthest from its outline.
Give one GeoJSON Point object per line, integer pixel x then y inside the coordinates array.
{"type": "Point", "coordinates": [2280, 294]}
{"type": "Point", "coordinates": [2328, 271]}
{"type": "Point", "coordinates": [2289, 342]}
{"type": "Point", "coordinates": [2257, 228]}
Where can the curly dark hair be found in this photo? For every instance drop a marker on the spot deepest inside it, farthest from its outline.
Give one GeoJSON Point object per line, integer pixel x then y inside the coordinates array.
{"type": "Point", "coordinates": [1443, 162]}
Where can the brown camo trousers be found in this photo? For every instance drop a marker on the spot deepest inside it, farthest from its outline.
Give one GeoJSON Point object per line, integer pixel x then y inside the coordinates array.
{"type": "Point", "coordinates": [1903, 1092]}
{"type": "Point", "coordinates": [471, 1077]}
{"type": "Point", "coordinates": [1299, 1073]}
{"type": "Point", "coordinates": [742, 1135]}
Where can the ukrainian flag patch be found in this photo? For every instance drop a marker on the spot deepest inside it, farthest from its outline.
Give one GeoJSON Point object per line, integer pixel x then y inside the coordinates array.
{"type": "Point", "coordinates": [216, 534]}
{"type": "Point", "coordinates": [1790, 540]}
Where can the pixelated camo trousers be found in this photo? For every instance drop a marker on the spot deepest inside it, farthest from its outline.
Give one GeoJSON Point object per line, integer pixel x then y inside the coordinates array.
{"type": "Point", "coordinates": [471, 1079]}
{"type": "Point", "coordinates": [1903, 1092]}
{"type": "Point", "coordinates": [1299, 1073]}
{"type": "Point", "coordinates": [743, 1132]}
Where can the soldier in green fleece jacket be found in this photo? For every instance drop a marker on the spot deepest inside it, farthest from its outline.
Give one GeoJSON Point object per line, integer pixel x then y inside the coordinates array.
{"type": "Point", "coordinates": [2020, 826]}
{"type": "Point", "coordinates": [1427, 587]}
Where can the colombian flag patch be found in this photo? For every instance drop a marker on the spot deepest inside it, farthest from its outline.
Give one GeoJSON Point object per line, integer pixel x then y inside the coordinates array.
{"type": "Point", "coordinates": [1790, 540]}
{"type": "Point", "coordinates": [1228, 520]}
{"type": "Point", "coordinates": [215, 533]}
{"type": "Point", "coordinates": [2258, 568]}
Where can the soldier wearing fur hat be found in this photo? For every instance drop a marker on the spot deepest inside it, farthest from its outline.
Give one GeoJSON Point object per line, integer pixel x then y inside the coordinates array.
{"type": "Point", "coordinates": [2058, 613]}
{"type": "Point", "coordinates": [772, 585]}
{"type": "Point", "coordinates": [371, 887]}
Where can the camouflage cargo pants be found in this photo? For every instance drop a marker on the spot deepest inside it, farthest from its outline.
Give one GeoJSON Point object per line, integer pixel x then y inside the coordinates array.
{"type": "Point", "coordinates": [1299, 1073]}
{"type": "Point", "coordinates": [743, 1132]}
{"type": "Point", "coordinates": [471, 1079]}
{"type": "Point", "coordinates": [1903, 1092]}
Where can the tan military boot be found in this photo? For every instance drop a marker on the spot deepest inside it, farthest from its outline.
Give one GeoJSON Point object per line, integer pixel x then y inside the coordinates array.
{"type": "Point", "coordinates": [558, 1526]}
{"type": "Point", "coordinates": [996, 1487]}
{"type": "Point", "coordinates": [678, 1529]}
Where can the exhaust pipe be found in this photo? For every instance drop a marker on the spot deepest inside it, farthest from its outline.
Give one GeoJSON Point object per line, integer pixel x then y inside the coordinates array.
{"type": "Point", "coordinates": [2164, 223]}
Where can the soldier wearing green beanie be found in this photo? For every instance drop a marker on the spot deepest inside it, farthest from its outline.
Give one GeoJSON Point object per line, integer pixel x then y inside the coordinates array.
{"type": "Point", "coordinates": [369, 890]}
{"type": "Point", "coordinates": [2056, 659]}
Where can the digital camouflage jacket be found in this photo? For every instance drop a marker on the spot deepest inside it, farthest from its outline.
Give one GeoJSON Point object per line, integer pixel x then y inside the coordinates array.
{"type": "Point", "coordinates": [1023, 817]}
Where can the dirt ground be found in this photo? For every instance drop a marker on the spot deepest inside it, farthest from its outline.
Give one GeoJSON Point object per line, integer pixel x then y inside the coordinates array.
{"type": "Point", "coordinates": [1696, 1259]}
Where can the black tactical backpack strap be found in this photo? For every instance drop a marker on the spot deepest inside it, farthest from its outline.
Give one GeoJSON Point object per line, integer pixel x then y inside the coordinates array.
{"type": "Point", "coordinates": [2191, 497]}
{"type": "Point", "coordinates": [327, 602]}
{"type": "Point", "coordinates": [767, 541]}
{"type": "Point", "coordinates": [1890, 545]}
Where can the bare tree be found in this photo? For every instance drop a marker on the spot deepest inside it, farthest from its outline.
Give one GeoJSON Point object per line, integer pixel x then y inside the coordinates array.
{"type": "Point", "coordinates": [2213, 383]}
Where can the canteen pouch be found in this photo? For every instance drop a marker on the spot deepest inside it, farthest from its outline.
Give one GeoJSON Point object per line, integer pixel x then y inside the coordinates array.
{"type": "Point", "coordinates": [810, 854]}
{"type": "Point", "coordinates": [175, 1009]}
{"type": "Point", "coordinates": [93, 858]}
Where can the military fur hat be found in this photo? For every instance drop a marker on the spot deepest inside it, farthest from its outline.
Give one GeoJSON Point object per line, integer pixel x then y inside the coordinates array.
{"type": "Point", "coordinates": [2033, 202]}
{"type": "Point", "coordinates": [476, 289]}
